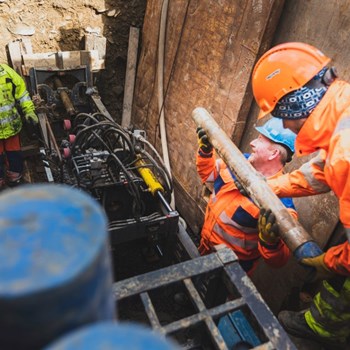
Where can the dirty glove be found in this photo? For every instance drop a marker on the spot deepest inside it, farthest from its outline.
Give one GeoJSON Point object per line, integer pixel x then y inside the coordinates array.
{"type": "Point", "coordinates": [31, 116]}
{"type": "Point", "coordinates": [321, 271]}
{"type": "Point", "coordinates": [32, 125]}
{"type": "Point", "coordinates": [268, 228]}
{"type": "Point", "coordinates": [203, 141]}
{"type": "Point", "coordinates": [240, 188]}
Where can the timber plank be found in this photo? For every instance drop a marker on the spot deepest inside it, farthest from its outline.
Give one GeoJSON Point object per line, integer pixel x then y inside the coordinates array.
{"type": "Point", "coordinates": [62, 60]}
{"type": "Point", "coordinates": [130, 75]}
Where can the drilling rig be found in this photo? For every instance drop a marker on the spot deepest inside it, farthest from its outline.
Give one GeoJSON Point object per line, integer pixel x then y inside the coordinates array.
{"type": "Point", "coordinates": [79, 144]}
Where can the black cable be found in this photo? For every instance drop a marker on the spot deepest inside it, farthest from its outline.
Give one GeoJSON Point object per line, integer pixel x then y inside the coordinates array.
{"type": "Point", "coordinates": [102, 115]}
{"type": "Point", "coordinates": [88, 117]}
{"type": "Point", "coordinates": [133, 190]}
{"type": "Point", "coordinates": [164, 168]}
{"type": "Point", "coordinates": [123, 135]}
{"type": "Point", "coordinates": [82, 133]}
{"type": "Point", "coordinates": [123, 223]}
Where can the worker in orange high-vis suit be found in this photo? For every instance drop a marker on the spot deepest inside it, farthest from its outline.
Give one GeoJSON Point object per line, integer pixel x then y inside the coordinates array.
{"type": "Point", "coordinates": [13, 94]}
{"type": "Point", "coordinates": [232, 218]}
{"type": "Point", "coordinates": [293, 82]}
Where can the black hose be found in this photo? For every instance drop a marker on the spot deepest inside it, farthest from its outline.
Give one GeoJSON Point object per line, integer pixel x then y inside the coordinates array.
{"type": "Point", "coordinates": [133, 189]}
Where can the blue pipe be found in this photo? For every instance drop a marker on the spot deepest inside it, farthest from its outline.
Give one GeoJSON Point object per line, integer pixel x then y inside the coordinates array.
{"type": "Point", "coordinates": [308, 249]}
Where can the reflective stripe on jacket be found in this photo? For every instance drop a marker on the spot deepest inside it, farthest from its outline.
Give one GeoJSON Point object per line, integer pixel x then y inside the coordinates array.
{"type": "Point", "coordinates": [327, 129]}
{"type": "Point", "coordinates": [231, 218]}
{"type": "Point", "coordinates": [329, 314]}
{"type": "Point", "coordinates": [12, 91]}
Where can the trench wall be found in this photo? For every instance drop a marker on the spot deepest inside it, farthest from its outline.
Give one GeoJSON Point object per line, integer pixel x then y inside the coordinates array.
{"type": "Point", "coordinates": [210, 49]}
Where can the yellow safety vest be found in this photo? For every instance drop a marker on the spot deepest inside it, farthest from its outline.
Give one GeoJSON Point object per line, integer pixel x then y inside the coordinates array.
{"type": "Point", "coordinates": [13, 92]}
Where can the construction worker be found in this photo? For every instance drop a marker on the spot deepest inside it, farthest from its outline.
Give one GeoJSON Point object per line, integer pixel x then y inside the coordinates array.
{"type": "Point", "coordinates": [293, 82]}
{"type": "Point", "coordinates": [232, 218]}
{"type": "Point", "coordinates": [13, 93]}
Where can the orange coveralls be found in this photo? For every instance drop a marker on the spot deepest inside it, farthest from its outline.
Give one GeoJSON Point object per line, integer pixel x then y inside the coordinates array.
{"type": "Point", "coordinates": [327, 129]}
{"type": "Point", "coordinates": [231, 218]}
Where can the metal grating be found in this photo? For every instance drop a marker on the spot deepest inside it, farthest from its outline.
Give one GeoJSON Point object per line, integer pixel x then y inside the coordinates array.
{"type": "Point", "coordinates": [192, 275]}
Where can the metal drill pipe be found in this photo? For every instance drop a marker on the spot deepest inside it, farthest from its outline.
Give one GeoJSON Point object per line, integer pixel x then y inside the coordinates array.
{"type": "Point", "coordinates": [68, 105]}
{"type": "Point", "coordinates": [292, 233]}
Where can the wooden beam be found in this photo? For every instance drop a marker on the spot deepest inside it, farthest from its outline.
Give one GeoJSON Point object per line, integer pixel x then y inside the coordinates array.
{"type": "Point", "coordinates": [96, 42]}
{"type": "Point", "coordinates": [130, 75]}
{"type": "Point", "coordinates": [16, 49]}
{"type": "Point", "coordinates": [62, 60]}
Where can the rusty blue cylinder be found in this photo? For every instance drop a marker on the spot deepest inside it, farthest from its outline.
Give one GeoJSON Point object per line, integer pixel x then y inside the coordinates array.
{"type": "Point", "coordinates": [108, 335]}
{"type": "Point", "coordinates": [55, 270]}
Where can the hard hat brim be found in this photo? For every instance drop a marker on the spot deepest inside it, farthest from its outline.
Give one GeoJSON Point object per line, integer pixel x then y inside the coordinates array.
{"type": "Point", "coordinates": [262, 114]}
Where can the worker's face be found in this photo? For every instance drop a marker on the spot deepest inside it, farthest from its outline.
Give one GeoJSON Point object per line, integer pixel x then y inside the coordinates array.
{"type": "Point", "coordinates": [262, 150]}
{"type": "Point", "coordinates": [294, 125]}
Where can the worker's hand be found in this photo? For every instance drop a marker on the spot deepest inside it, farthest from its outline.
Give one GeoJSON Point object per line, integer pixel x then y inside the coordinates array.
{"type": "Point", "coordinates": [32, 125]}
{"type": "Point", "coordinates": [203, 141]}
{"type": "Point", "coordinates": [32, 118]}
{"type": "Point", "coordinates": [321, 271]}
{"type": "Point", "coordinates": [240, 188]}
{"type": "Point", "coordinates": [268, 228]}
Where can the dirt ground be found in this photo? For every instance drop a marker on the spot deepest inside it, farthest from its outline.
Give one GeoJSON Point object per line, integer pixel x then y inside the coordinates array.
{"type": "Point", "coordinates": [60, 25]}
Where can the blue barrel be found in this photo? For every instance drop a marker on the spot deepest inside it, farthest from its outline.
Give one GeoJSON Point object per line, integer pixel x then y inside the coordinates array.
{"type": "Point", "coordinates": [55, 265]}
{"type": "Point", "coordinates": [109, 335]}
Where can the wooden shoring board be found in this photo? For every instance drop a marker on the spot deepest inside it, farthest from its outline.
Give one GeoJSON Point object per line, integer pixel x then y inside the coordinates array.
{"type": "Point", "coordinates": [211, 48]}
{"type": "Point", "coordinates": [130, 75]}
{"type": "Point", "coordinates": [62, 60]}
{"type": "Point", "coordinates": [16, 49]}
{"type": "Point", "coordinates": [95, 42]}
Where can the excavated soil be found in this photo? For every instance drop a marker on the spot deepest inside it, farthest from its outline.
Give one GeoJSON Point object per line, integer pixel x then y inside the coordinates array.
{"type": "Point", "coordinates": [60, 25]}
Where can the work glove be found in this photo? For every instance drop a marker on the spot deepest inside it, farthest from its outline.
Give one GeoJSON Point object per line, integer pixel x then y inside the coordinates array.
{"type": "Point", "coordinates": [268, 228]}
{"type": "Point", "coordinates": [32, 125]}
{"type": "Point", "coordinates": [203, 141]}
{"type": "Point", "coordinates": [31, 116]}
{"type": "Point", "coordinates": [240, 188]}
{"type": "Point", "coordinates": [321, 271]}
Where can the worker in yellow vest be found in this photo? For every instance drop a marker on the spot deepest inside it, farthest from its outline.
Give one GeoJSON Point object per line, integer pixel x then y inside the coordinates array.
{"type": "Point", "coordinates": [13, 94]}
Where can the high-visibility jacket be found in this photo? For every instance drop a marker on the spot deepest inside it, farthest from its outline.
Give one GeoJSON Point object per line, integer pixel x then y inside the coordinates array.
{"type": "Point", "coordinates": [329, 313]}
{"type": "Point", "coordinates": [327, 129]}
{"type": "Point", "coordinates": [231, 218]}
{"type": "Point", "coordinates": [13, 91]}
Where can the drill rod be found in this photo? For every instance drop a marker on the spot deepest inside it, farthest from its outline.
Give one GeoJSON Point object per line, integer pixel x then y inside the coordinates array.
{"type": "Point", "coordinates": [292, 233]}
{"type": "Point", "coordinates": [68, 105]}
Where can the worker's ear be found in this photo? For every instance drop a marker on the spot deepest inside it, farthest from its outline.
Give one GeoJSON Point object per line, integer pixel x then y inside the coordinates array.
{"type": "Point", "coordinates": [275, 152]}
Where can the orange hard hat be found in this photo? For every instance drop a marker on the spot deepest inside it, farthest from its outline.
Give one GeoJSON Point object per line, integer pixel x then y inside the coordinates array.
{"type": "Point", "coordinates": [282, 69]}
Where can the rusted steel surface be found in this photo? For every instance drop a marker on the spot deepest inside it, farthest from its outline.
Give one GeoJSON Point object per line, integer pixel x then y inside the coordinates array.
{"type": "Point", "coordinates": [292, 233]}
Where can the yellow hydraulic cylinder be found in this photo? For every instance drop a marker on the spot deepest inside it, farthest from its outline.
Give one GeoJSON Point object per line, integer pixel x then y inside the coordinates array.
{"type": "Point", "coordinates": [147, 175]}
